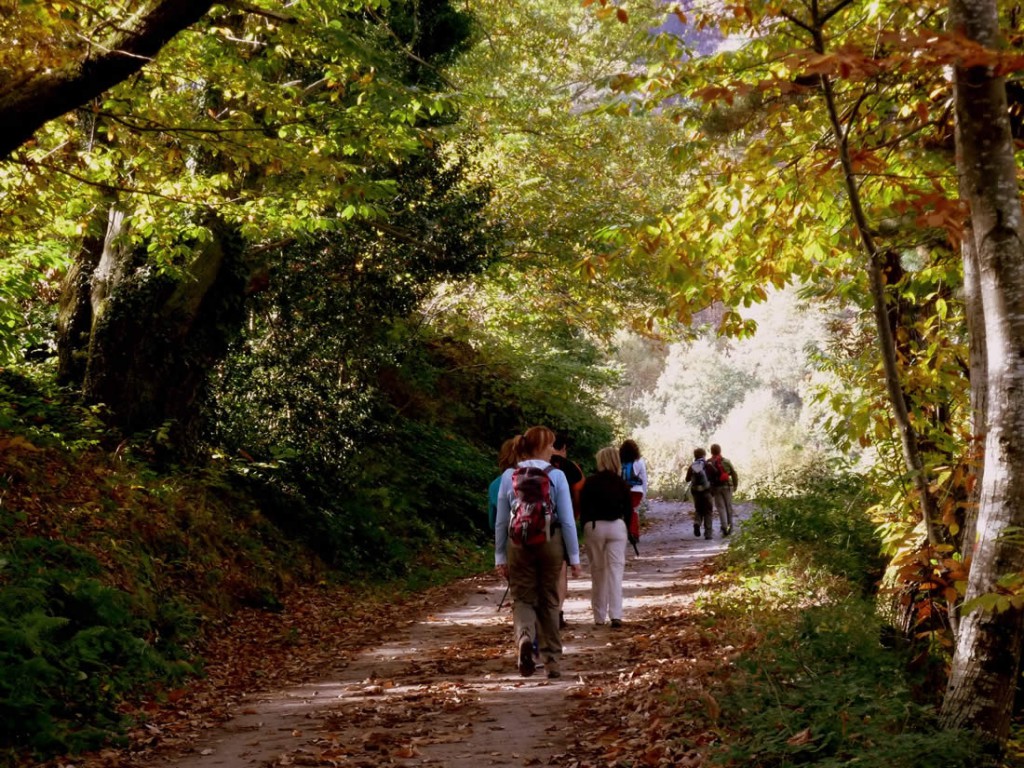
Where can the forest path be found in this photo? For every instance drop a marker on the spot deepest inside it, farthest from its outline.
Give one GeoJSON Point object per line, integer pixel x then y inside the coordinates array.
{"type": "Point", "coordinates": [442, 689]}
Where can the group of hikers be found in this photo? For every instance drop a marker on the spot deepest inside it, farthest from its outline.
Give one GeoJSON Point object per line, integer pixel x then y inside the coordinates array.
{"type": "Point", "coordinates": [535, 505]}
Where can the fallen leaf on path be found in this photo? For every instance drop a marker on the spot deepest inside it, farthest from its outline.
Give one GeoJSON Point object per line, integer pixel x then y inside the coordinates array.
{"type": "Point", "coordinates": [800, 738]}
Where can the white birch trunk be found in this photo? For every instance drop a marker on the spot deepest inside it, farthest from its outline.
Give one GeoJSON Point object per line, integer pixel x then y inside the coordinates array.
{"type": "Point", "coordinates": [987, 657]}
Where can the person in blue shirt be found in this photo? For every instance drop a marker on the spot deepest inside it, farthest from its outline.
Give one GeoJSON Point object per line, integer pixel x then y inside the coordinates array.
{"type": "Point", "coordinates": [506, 460]}
{"type": "Point", "coordinates": [533, 570]}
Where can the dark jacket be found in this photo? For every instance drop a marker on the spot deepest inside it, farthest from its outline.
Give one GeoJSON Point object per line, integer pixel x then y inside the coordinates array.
{"type": "Point", "coordinates": [574, 475]}
{"type": "Point", "coordinates": [605, 496]}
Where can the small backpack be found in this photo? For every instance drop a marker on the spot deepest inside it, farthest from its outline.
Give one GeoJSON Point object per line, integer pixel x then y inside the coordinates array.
{"type": "Point", "coordinates": [698, 476]}
{"type": "Point", "coordinates": [630, 476]}
{"type": "Point", "coordinates": [716, 471]}
{"type": "Point", "coordinates": [532, 510]}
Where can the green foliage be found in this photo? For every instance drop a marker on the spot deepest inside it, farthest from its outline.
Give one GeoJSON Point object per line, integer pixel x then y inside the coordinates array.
{"type": "Point", "coordinates": [370, 419]}
{"type": "Point", "coordinates": [71, 649]}
{"type": "Point", "coordinates": [25, 317]}
{"type": "Point", "coordinates": [818, 518]}
{"type": "Point", "coordinates": [824, 685]}
{"type": "Point", "coordinates": [749, 395]}
{"type": "Point", "coordinates": [560, 171]}
{"type": "Point", "coordinates": [412, 498]}
{"type": "Point", "coordinates": [824, 691]}
{"type": "Point", "coordinates": [274, 122]}
{"type": "Point", "coordinates": [699, 386]}
{"type": "Point", "coordinates": [402, 467]}
{"type": "Point", "coordinates": [45, 414]}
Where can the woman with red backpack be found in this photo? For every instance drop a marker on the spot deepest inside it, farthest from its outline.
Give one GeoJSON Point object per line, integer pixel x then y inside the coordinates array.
{"type": "Point", "coordinates": [534, 531]}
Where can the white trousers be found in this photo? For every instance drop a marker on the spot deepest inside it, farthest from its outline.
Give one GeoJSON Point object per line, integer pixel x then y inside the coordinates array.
{"type": "Point", "coordinates": [606, 549]}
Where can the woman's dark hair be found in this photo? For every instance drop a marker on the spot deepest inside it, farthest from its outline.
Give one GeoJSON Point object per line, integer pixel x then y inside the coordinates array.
{"type": "Point", "coordinates": [561, 441]}
{"type": "Point", "coordinates": [699, 453]}
{"type": "Point", "coordinates": [533, 441]}
{"type": "Point", "coordinates": [629, 451]}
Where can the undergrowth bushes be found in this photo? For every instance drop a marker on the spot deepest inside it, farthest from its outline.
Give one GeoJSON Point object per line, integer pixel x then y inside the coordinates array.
{"type": "Point", "coordinates": [824, 691]}
{"type": "Point", "coordinates": [70, 648]}
{"type": "Point", "coordinates": [816, 522]}
{"type": "Point", "coordinates": [108, 568]}
{"type": "Point", "coordinates": [403, 505]}
{"type": "Point", "coordinates": [821, 687]}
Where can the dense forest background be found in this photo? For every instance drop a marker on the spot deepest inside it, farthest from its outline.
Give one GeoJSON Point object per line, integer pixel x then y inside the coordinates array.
{"type": "Point", "coordinates": [275, 290]}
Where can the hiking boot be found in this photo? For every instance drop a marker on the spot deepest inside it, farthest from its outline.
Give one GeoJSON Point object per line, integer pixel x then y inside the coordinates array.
{"type": "Point", "coordinates": [616, 623]}
{"type": "Point", "coordinates": [526, 664]}
{"type": "Point", "coordinates": [554, 672]}
{"type": "Point", "coordinates": [696, 530]}
{"type": "Point", "coordinates": [727, 531]}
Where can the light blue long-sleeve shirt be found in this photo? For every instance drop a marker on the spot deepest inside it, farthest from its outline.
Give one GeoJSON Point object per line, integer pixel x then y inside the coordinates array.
{"type": "Point", "coordinates": [563, 510]}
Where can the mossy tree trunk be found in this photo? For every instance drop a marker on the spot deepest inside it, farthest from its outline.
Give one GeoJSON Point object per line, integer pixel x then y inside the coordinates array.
{"type": "Point", "coordinates": [143, 342]}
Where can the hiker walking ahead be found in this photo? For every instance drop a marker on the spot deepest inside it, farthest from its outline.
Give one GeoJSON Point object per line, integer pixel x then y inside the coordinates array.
{"type": "Point", "coordinates": [634, 472]}
{"type": "Point", "coordinates": [534, 531]}
{"type": "Point", "coordinates": [724, 480]}
{"type": "Point", "coordinates": [574, 476]}
{"type": "Point", "coordinates": [506, 459]}
{"type": "Point", "coordinates": [605, 507]}
{"type": "Point", "coordinates": [700, 490]}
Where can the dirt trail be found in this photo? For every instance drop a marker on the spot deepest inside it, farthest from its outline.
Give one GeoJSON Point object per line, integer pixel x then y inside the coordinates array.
{"type": "Point", "coordinates": [443, 690]}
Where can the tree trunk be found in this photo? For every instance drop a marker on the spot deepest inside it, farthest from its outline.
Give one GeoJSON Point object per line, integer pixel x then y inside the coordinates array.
{"type": "Point", "coordinates": [978, 367]}
{"type": "Point", "coordinates": [74, 313]}
{"type": "Point", "coordinates": [985, 664]}
{"type": "Point", "coordinates": [154, 338]}
{"type": "Point", "coordinates": [34, 98]}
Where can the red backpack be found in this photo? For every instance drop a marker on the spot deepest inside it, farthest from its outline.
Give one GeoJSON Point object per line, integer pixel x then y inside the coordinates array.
{"type": "Point", "coordinates": [533, 510]}
{"type": "Point", "coordinates": [716, 472]}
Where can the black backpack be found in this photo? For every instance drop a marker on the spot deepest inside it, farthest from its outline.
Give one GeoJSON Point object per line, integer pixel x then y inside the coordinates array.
{"type": "Point", "coordinates": [699, 477]}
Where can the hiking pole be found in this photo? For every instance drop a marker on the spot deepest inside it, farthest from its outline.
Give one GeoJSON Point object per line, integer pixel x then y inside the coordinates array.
{"type": "Point", "coordinates": [504, 596]}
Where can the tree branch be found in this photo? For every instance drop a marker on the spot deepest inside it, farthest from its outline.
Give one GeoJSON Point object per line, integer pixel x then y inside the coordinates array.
{"type": "Point", "coordinates": [829, 14]}
{"type": "Point", "coordinates": [257, 11]}
{"type": "Point", "coordinates": [107, 187]}
{"type": "Point", "coordinates": [794, 20]}
{"type": "Point", "coordinates": [52, 93]}
{"type": "Point", "coordinates": [876, 281]}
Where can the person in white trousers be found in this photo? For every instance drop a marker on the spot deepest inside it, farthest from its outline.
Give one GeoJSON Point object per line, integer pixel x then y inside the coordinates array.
{"type": "Point", "coordinates": [605, 507]}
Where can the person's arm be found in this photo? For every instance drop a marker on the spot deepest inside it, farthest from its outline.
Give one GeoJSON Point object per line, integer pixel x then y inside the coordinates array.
{"type": "Point", "coordinates": [732, 473]}
{"type": "Point", "coordinates": [492, 501]}
{"type": "Point", "coordinates": [504, 513]}
{"type": "Point", "coordinates": [641, 472]}
{"type": "Point", "coordinates": [563, 508]}
{"type": "Point", "coordinates": [576, 487]}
